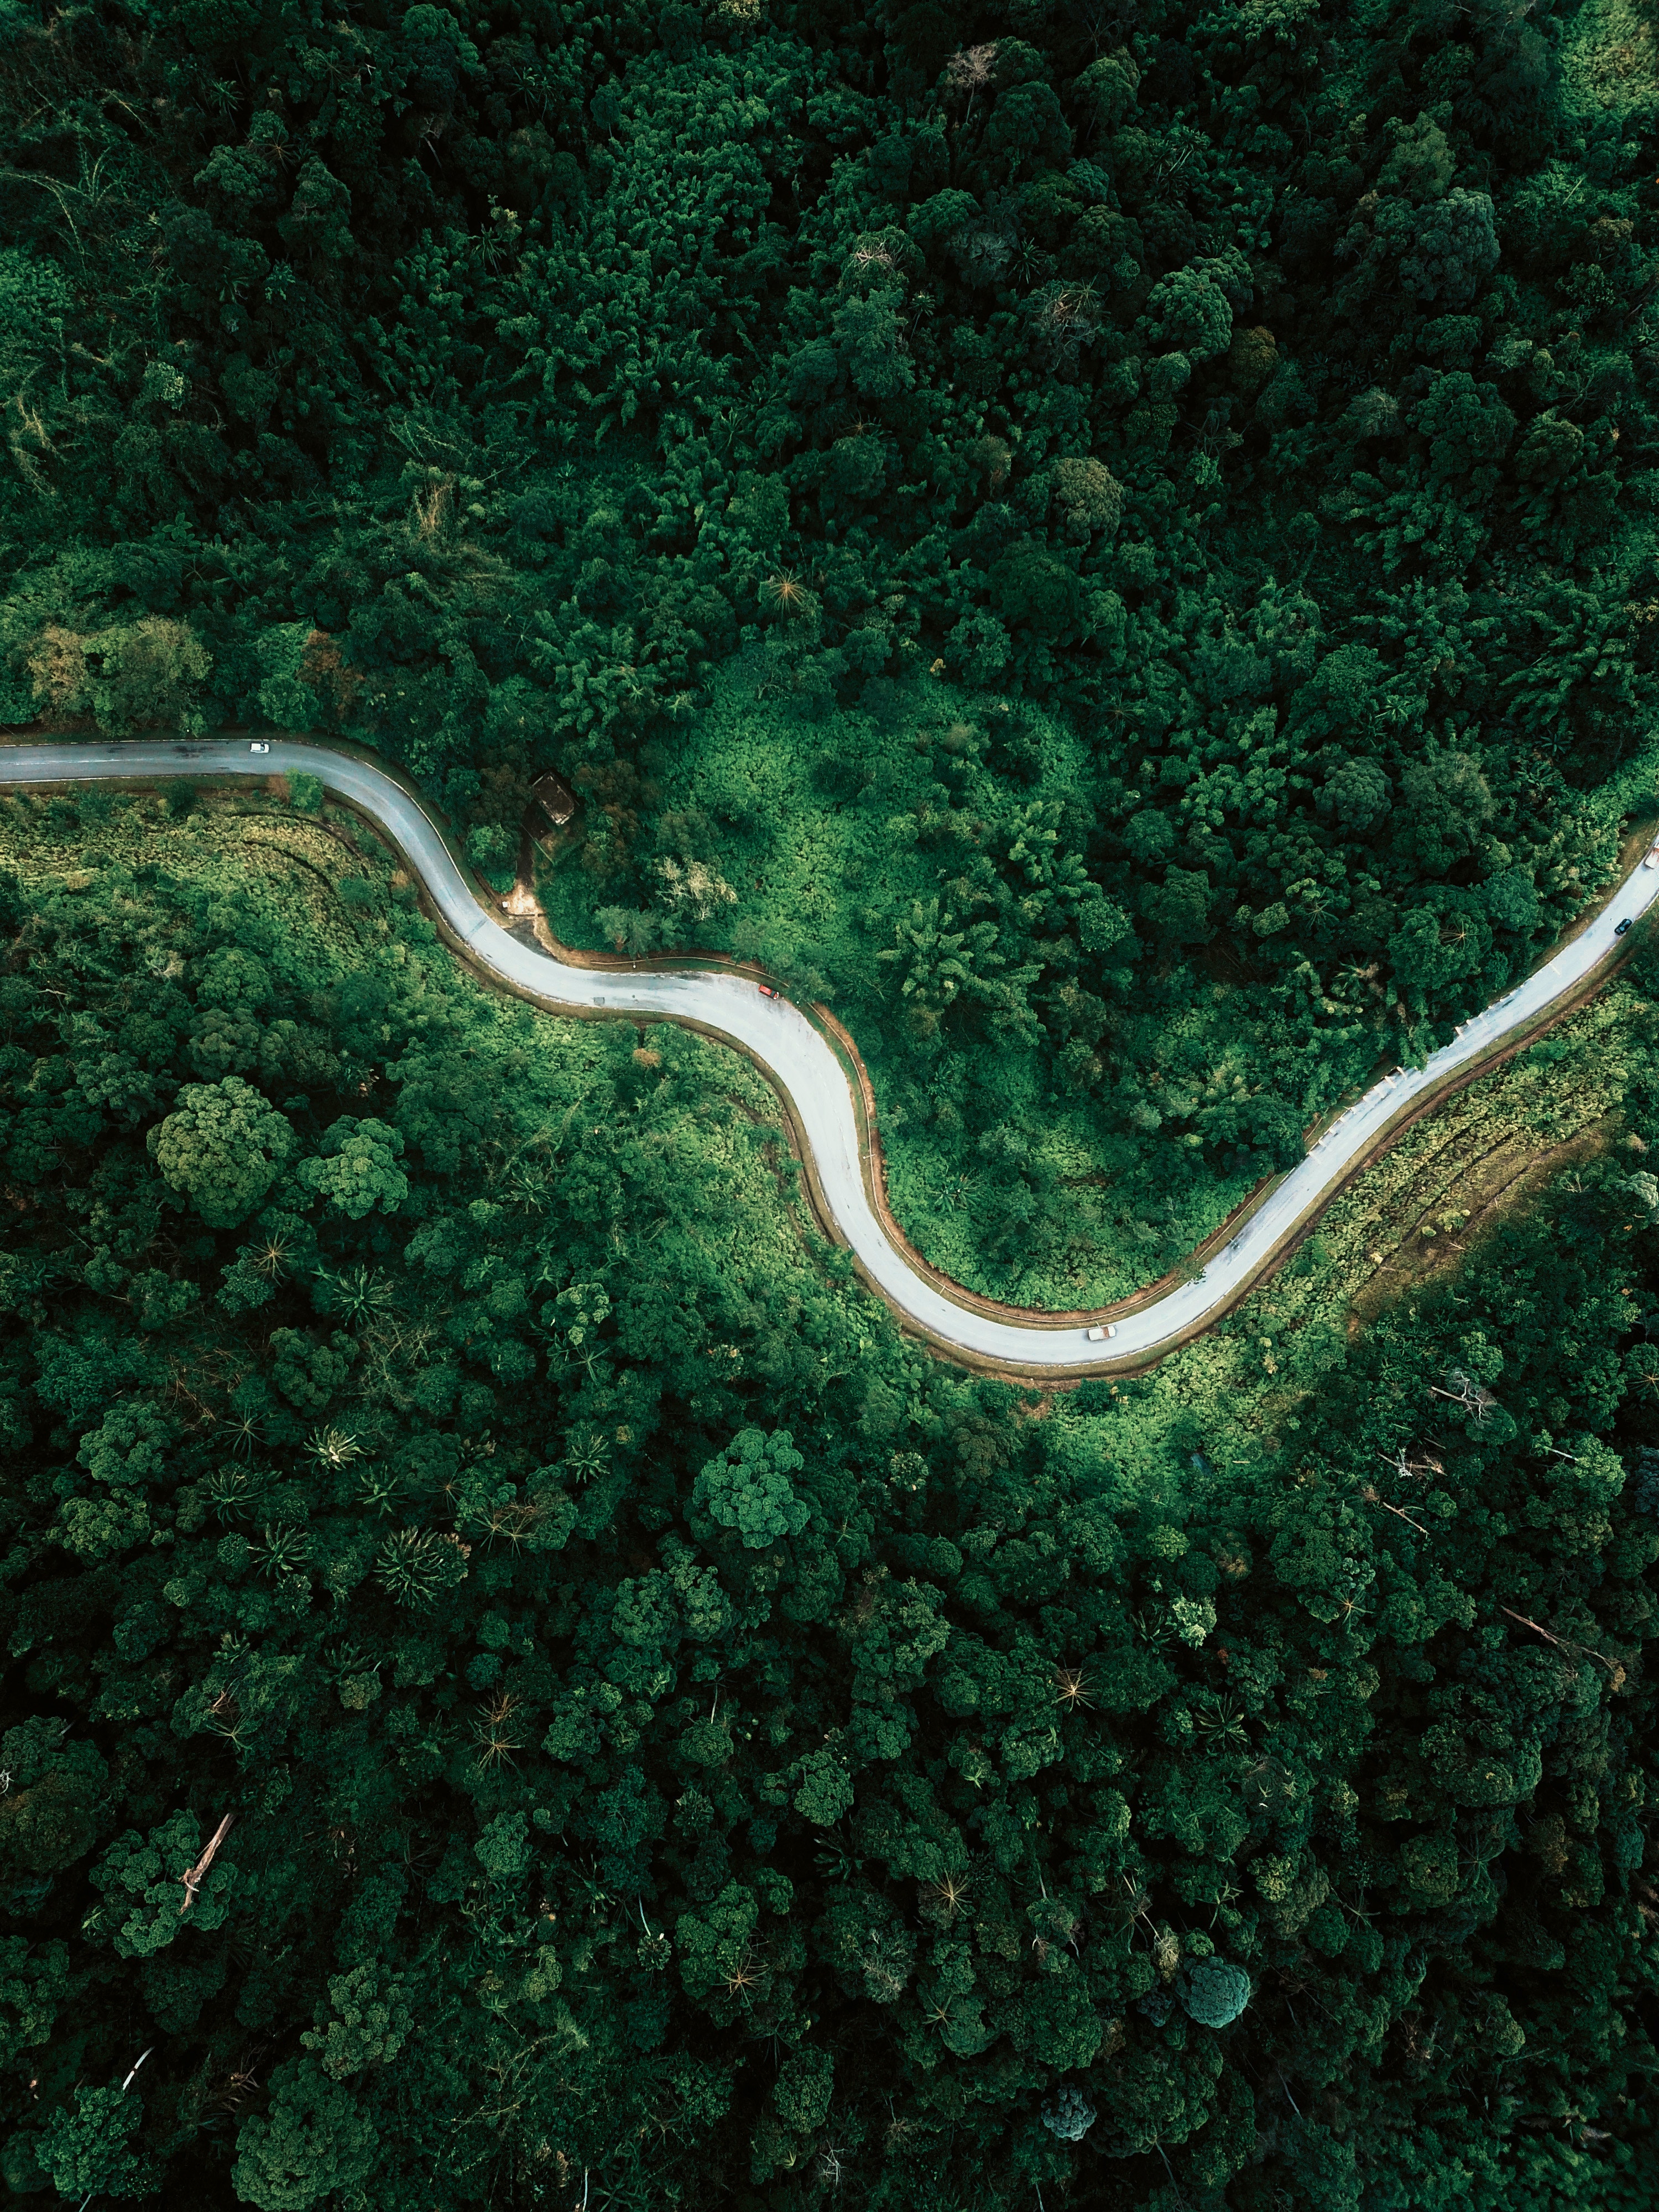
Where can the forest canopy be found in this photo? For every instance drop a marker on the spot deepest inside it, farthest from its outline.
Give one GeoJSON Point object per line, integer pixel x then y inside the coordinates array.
{"type": "Point", "coordinates": [521, 1681]}
{"type": "Point", "coordinates": [1116, 545]}
{"type": "Point", "coordinates": [1199, 458]}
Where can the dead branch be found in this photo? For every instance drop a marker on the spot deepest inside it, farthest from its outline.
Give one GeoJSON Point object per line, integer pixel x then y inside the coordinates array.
{"type": "Point", "coordinates": [1565, 1644]}
{"type": "Point", "coordinates": [197, 1874]}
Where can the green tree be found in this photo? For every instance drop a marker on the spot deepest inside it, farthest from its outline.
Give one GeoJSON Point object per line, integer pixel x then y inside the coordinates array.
{"type": "Point", "coordinates": [747, 1488]}
{"type": "Point", "coordinates": [86, 2147]}
{"type": "Point", "coordinates": [314, 2141]}
{"type": "Point", "coordinates": [222, 1147]}
{"type": "Point", "coordinates": [357, 1168]}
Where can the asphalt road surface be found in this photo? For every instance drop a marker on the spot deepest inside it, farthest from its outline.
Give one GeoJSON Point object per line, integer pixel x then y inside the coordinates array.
{"type": "Point", "coordinates": [806, 1070]}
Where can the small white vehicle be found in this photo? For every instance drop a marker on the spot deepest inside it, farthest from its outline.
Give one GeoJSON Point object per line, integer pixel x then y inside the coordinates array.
{"type": "Point", "coordinates": [1101, 1331]}
{"type": "Point", "coordinates": [1652, 860]}
{"type": "Point", "coordinates": [261, 746]}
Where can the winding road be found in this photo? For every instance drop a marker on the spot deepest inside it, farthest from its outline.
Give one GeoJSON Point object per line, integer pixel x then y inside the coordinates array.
{"type": "Point", "coordinates": [797, 1053]}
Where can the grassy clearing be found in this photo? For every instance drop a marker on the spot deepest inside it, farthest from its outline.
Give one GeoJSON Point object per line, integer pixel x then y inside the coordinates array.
{"type": "Point", "coordinates": [803, 843]}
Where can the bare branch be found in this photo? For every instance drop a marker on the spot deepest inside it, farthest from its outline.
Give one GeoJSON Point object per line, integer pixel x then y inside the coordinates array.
{"type": "Point", "coordinates": [197, 1874]}
{"type": "Point", "coordinates": [1565, 1644]}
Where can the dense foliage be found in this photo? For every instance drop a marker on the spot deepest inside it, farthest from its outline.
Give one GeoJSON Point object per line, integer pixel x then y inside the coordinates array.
{"type": "Point", "coordinates": [682, 1745]}
{"type": "Point", "coordinates": [1264, 390]}
{"type": "Point", "coordinates": [1117, 545]}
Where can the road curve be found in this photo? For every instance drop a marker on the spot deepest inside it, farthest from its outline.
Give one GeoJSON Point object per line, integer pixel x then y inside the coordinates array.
{"type": "Point", "coordinates": [814, 1083]}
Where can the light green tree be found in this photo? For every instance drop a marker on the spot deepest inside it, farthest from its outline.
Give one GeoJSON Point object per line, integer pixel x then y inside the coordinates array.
{"type": "Point", "coordinates": [224, 1146]}
{"type": "Point", "coordinates": [358, 1168]}
{"type": "Point", "coordinates": [747, 1489]}
{"type": "Point", "coordinates": [1089, 496]}
{"type": "Point", "coordinates": [366, 2022]}
{"type": "Point", "coordinates": [942, 962]}
{"type": "Point", "coordinates": [143, 1881]}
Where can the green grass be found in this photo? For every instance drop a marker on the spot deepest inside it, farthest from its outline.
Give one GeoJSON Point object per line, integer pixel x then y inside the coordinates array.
{"type": "Point", "coordinates": [824, 833]}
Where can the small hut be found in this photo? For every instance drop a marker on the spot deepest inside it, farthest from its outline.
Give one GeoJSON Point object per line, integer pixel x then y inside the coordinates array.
{"type": "Point", "coordinates": [552, 805]}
